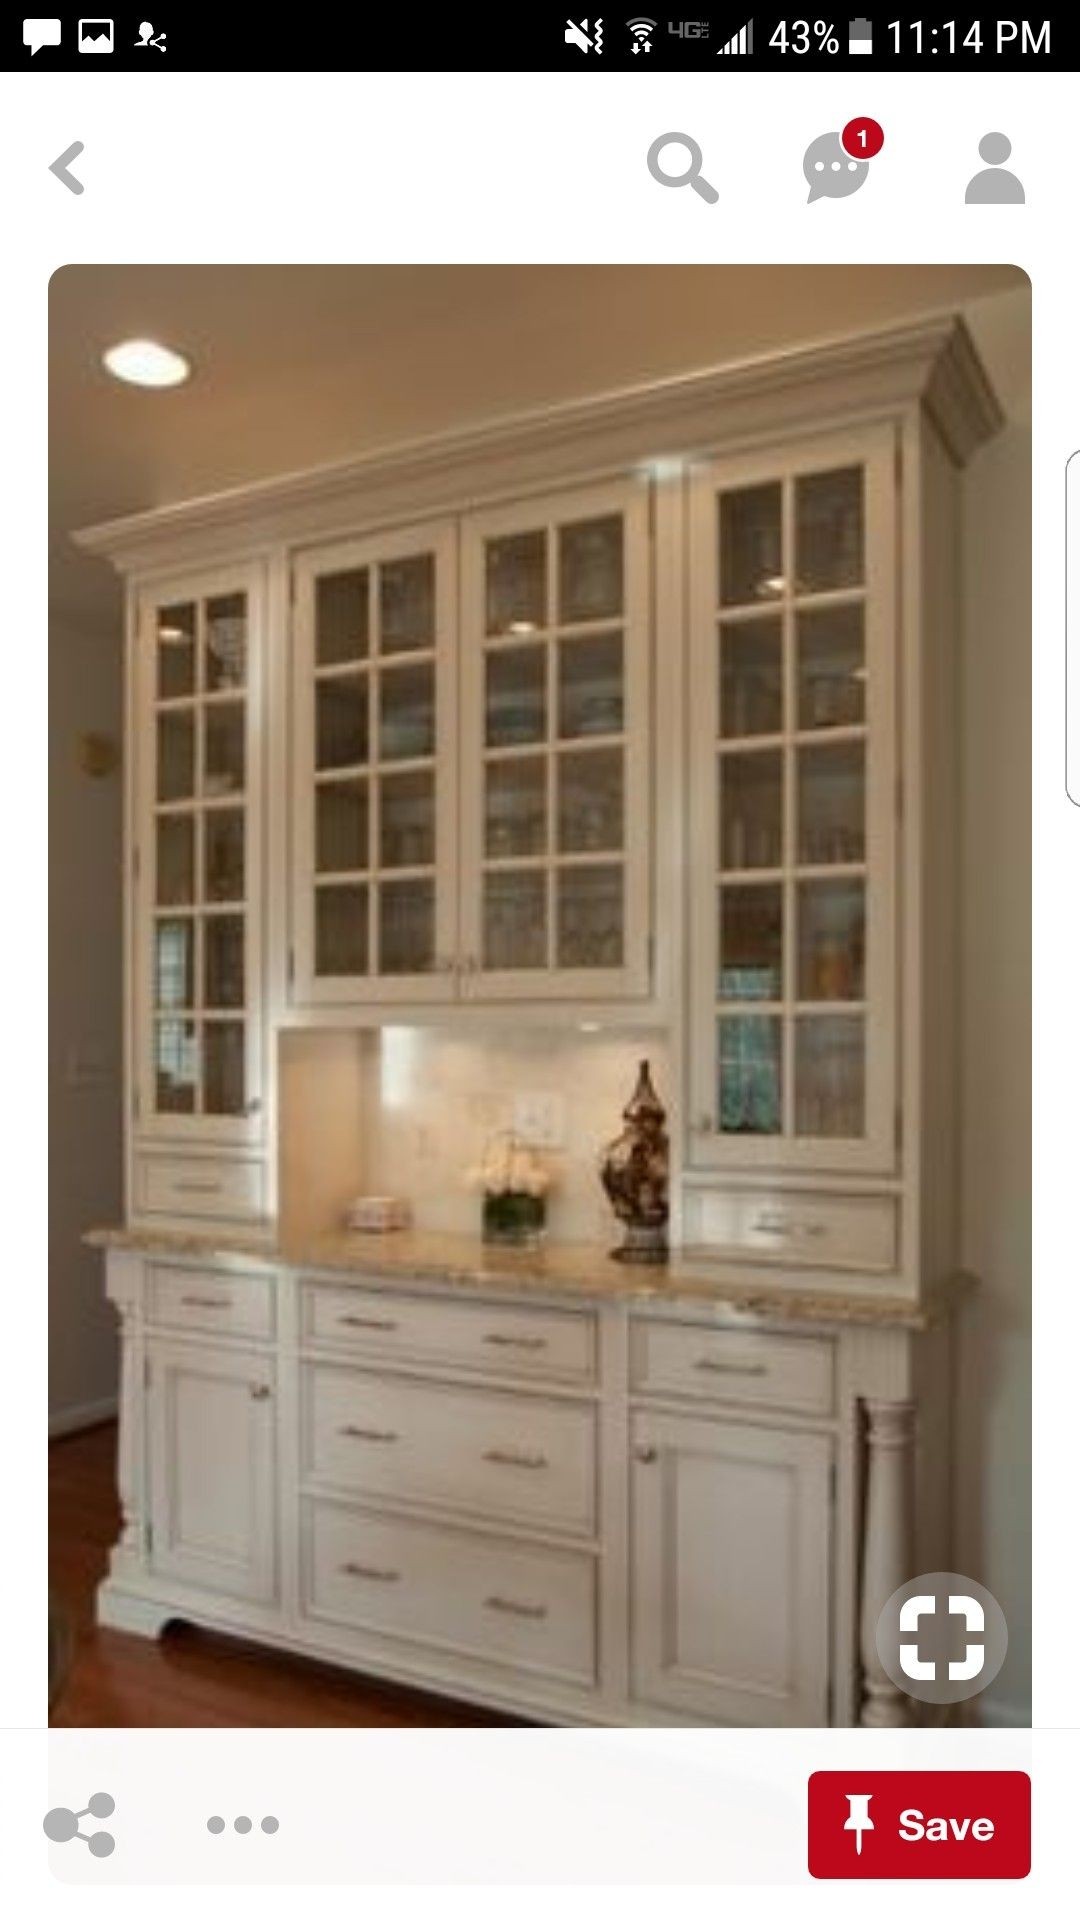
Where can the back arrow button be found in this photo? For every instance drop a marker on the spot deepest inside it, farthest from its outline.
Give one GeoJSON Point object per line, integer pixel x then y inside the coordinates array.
{"type": "Point", "coordinates": [60, 168]}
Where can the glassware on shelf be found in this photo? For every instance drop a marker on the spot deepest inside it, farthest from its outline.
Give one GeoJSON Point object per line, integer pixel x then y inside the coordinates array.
{"type": "Point", "coordinates": [591, 685]}
{"type": "Point", "coordinates": [406, 926]}
{"type": "Point", "coordinates": [407, 604]}
{"type": "Point", "coordinates": [223, 1067]}
{"type": "Point", "coordinates": [749, 1073]}
{"type": "Point", "coordinates": [407, 819]}
{"type": "Point", "coordinates": [832, 939]}
{"type": "Point", "coordinates": [751, 812]}
{"type": "Point", "coordinates": [590, 800]}
{"type": "Point", "coordinates": [515, 807]}
{"type": "Point", "coordinates": [176, 1065]}
{"type": "Point", "coordinates": [223, 960]}
{"type": "Point", "coordinates": [175, 755]}
{"type": "Point", "coordinates": [226, 642]}
{"type": "Point", "coordinates": [174, 963]}
{"type": "Point", "coordinates": [515, 698]}
{"type": "Point", "coordinates": [175, 865]}
{"type": "Point", "coordinates": [751, 931]}
{"type": "Point", "coordinates": [515, 919]}
{"type": "Point", "coordinates": [407, 713]}
{"type": "Point", "coordinates": [176, 628]}
{"type": "Point", "coordinates": [829, 530]}
{"type": "Point", "coordinates": [830, 1071]}
{"type": "Point", "coordinates": [751, 677]}
{"type": "Point", "coordinates": [515, 578]}
{"type": "Point", "coordinates": [341, 930]}
{"type": "Point", "coordinates": [832, 803]}
{"type": "Point", "coordinates": [751, 546]}
{"type": "Point", "coordinates": [223, 853]}
{"type": "Point", "coordinates": [342, 617]}
{"type": "Point", "coordinates": [341, 721]}
{"type": "Point", "coordinates": [831, 667]}
{"type": "Point", "coordinates": [591, 569]}
{"type": "Point", "coordinates": [223, 748]}
{"type": "Point", "coordinates": [589, 916]}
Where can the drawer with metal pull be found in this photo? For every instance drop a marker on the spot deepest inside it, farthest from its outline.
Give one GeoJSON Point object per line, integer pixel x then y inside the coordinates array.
{"type": "Point", "coordinates": [202, 1188]}
{"type": "Point", "coordinates": [204, 1298]}
{"type": "Point", "coordinates": [533, 1342]}
{"type": "Point", "coordinates": [494, 1600]}
{"type": "Point", "coordinates": [812, 1229]}
{"type": "Point", "coordinates": [465, 1449]}
{"type": "Point", "coordinates": [716, 1363]}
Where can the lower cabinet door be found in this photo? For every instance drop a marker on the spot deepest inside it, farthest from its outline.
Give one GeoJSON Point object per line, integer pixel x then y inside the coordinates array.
{"type": "Point", "coordinates": [731, 1553]}
{"type": "Point", "coordinates": [210, 1422]}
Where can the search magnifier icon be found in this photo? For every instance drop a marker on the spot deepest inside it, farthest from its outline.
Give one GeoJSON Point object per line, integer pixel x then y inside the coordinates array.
{"type": "Point", "coordinates": [691, 177]}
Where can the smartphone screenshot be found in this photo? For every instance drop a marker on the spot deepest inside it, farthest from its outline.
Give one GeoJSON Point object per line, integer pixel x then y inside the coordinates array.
{"type": "Point", "coordinates": [542, 829]}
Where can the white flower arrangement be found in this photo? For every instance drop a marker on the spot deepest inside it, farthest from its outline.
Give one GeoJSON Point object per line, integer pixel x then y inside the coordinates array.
{"type": "Point", "coordinates": [509, 1167]}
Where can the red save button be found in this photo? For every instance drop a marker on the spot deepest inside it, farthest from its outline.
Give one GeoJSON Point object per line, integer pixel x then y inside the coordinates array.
{"type": "Point", "coordinates": [919, 1826]}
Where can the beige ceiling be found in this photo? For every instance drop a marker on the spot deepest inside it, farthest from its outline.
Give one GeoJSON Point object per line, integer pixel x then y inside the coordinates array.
{"type": "Point", "coordinates": [298, 365]}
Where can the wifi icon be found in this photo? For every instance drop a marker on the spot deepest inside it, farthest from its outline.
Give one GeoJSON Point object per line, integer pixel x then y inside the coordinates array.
{"type": "Point", "coordinates": [641, 32]}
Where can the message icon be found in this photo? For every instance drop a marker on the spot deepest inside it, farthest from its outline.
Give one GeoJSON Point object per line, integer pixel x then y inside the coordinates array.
{"type": "Point", "coordinates": [40, 33]}
{"type": "Point", "coordinates": [831, 172]}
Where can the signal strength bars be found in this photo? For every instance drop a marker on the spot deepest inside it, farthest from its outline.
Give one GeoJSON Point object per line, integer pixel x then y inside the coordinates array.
{"type": "Point", "coordinates": [741, 42]}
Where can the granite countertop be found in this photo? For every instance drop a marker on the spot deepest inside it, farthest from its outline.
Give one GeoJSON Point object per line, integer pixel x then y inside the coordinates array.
{"type": "Point", "coordinates": [584, 1272]}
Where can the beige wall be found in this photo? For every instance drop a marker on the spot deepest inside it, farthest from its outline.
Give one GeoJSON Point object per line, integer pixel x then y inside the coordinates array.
{"type": "Point", "coordinates": [84, 1008]}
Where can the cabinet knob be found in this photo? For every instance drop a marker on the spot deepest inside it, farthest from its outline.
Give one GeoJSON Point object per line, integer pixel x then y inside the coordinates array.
{"type": "Point", "coordinates": [646, 1455]}
{"type": "Point", "coordinates": [260, 1393]}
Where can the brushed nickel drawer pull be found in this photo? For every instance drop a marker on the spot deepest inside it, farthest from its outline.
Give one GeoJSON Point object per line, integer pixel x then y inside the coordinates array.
{"type": "Point", "coordinates": [202, 1300]}
{"type": "Point", "coordinates": [753, 1372]}
{"type": "Point", "coordinates": [382, 1434]}
{"type": "Point", "coordinates": [197, 1186]}
{"type": "Point", "coordinates": [527, 1342]}
{"type": "Point", "coordinates": [357, 1571]}
{"type": "Point", "coordinates": [647, 1455]}
{"type": "Point", "coordinates": [372, 1325]}
{"type": "Point", "coordinates": [772, 1223]}
{"type": "Point", "coordinates": [260, 1393]}
{"type": "Point", "coordinates": [524, 1609]}
{"type": "Point", "coordinates": [503, 1457]}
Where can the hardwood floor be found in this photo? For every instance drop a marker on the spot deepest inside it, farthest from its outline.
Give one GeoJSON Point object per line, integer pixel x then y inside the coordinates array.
{"type": "Point", "coordinates": [189, 1678]}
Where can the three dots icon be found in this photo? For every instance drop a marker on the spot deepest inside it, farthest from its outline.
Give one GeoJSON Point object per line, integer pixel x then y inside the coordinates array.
{"type": "Point", "coordinates": [61, 1823]}
{"type": "Point", "coordinates": [241, 1824]}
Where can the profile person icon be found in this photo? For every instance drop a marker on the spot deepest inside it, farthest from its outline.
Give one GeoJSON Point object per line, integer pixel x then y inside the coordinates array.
{"type": "Point", "coordinates": [995, 186]}
{"type": "Point", "coordinates": [148, 38]}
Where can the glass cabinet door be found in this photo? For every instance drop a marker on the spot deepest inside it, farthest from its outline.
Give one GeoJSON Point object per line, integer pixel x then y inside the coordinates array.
{"type": "Point", "coordinates": [195, 848]}
{"type": "Point", "coordinates": [555, 726]}
{"type": "Point", "coordinates": [793, 819]}
{"type": "Point", "coordinates": [375, 754]}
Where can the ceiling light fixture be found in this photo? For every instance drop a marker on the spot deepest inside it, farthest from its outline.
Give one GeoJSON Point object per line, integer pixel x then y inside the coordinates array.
{"type": "Point", "coordinates": [146, 363]}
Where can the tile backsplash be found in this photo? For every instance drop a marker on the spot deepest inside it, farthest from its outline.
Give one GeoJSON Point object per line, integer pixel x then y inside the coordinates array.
{"type": "Point", "coordinates": [430, 1101]}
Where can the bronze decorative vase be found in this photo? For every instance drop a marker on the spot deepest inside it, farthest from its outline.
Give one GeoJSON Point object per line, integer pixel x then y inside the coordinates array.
{"type": "Point", "coordinates": [634, 1172]}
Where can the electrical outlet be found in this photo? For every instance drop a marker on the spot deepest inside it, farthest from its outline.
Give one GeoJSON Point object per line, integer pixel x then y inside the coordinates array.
{"type": "Point", "coordinates": [540, 1119]}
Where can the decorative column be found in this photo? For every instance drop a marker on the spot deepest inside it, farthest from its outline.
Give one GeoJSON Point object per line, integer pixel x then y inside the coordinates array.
{"type": "Point", "coordinates": [886, 1558]}
{"type": "Point", "coordinates": [124, 1288]}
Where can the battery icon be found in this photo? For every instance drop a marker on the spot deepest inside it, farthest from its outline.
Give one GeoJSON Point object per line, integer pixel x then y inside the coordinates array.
{"type": "Point", "coordinates": [860, 36]}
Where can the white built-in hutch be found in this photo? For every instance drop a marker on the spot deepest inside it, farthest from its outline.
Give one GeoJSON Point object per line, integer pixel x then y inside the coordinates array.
{"type": "Point", "coordinates": [640, 710]}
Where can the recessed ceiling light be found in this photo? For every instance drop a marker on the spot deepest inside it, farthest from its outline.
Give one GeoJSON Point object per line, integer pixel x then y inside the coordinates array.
{"type": "Point", "coordinates": [146, 363]}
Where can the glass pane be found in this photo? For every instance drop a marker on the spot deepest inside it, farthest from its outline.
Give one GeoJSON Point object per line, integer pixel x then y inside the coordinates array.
{"type": "Point", "coordinates": [591, 801]}
{"type": "Point", "coordinates": [751, 678]}
{"type": "Point", "coordinates": [176, 1066]}
{"type": "Point", "coordinates": [341, 930]}
{"type": "Point", "coordinates": [515, 920]}
{"type": "Point", "coordinates": [174, 963]}
{"type": "Point", "coordinates": [407, 926]}
{"type": "Point", "coordinates": [175, 756]}
{"type": "Point", "coordinates": [748, 1064]}
{"type": "Point", "coordinates": [832, 940]}
{"type": "Point", "coordinates": [341, 617]}
{"type": "Point", "coordinates": [830, 1077]}
{"type": "Point", "coordinates": [591, 569]}
{"type": "Point", "coordinates": [751, 564]}
{"type": "Point", "coordinates": [751, 943]}
{"type": "Point", "coordinates": [829, 530]}
{"type": "Point", "coordinates": [589, 917]}
{"type": "Point", "coordinates": [591, 686]}
{"type": "Point", "coordinates": [832, 804]}
{"type": "Point", "coordinates": [341, 826]}
{"type": "Point", "coordinates": [515, 807]}
{"type": "Point", "coordinates": [223, 829]}
{"type": "Point", "coordinates": [407, 820]}
{"type": "Point", "coordinates": [515, 571]}
{"type": "Point", "coordinates": [751, 832]}
{"type": "Point", "coordinates": [223, 748]}
{"type": "Point", "coordinates": [341, 721]}
{"type": "Point", "coordinates": [223, 1066]}
{"type": "Point", "coordinates": [175, 860]}
{"type": "Point", "coordinates": [515, 701]}
{"type": "Point", "coordinates": [223, 960]}
{"type": "Point", "coordinates": [226, 642]}
{"type": "Point", "coordinates": [407, 604]}
{"type": "Point", "coordinates": [407, 713]}
{"type": "Point", "coordinates": [175, 652]}
{"type": "Point", "coordinates": [832, 675]}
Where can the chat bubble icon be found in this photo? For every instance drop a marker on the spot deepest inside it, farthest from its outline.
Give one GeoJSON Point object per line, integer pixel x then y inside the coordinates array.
{"type": "Point", "coordinates": [40, 33]}
{"type": "Point", "coordinates": [831, 174]}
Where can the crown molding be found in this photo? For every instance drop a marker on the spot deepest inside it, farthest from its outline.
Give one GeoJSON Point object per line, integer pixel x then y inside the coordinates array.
{"type": "Point", "coordinates": [932, 361]}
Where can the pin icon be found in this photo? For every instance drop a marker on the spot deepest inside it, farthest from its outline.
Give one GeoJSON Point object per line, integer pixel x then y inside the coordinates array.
{"type": "Point", "coordinates": [858, 1821]}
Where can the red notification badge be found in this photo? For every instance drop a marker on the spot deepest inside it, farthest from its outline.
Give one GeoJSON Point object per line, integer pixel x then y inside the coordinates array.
{"type": "Point", "coordinates": [862, 138]}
